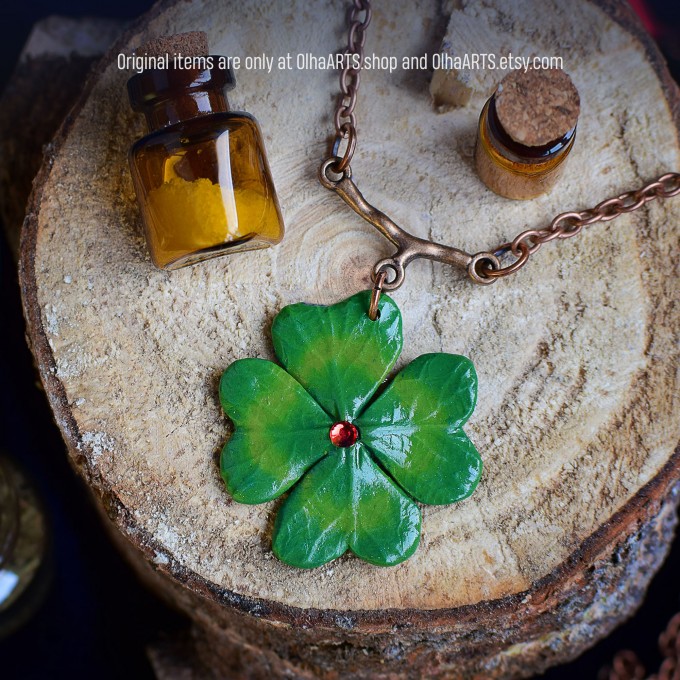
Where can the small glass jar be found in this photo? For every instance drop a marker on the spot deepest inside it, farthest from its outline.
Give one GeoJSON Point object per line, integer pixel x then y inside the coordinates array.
{"type": "Point", "coordinates": [201, 175]}
{"type": "Point", "coordinates": [519, 170]}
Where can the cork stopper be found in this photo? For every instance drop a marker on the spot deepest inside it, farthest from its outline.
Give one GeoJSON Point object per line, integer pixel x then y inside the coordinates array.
{"type": "Point", "coordinates": [537, 107]}
{"type": "Point", "coordinates": [526, 131]}
{"type": "Point", "coordinates": [183, 81]}
{"type": "Point", "coordinates": [191, 44]}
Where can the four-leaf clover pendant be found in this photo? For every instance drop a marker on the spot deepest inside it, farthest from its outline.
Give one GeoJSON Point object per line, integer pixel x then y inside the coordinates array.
{"type": "Point", "coordinates": [355, 456]}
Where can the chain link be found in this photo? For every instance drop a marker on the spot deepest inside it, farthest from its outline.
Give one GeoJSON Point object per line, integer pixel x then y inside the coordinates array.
{"type": "Point", "coordinates": [627, 666]}
{"type": "Point", "coordinates": [569, 224]}
{"type": "Point", "coordinates": [350, 79]}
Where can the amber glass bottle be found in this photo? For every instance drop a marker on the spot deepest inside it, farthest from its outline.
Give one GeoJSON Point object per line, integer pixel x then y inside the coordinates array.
{"type": "Point", "coordinates": [201, 175]}
{"type": "Point", "coordinates": [513, 170]}
{"type": "Point", "coordinates": [526, 131]}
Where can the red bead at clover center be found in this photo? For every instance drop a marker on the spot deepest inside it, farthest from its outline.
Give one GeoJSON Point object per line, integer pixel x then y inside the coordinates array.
{"type": "Point", "coordinates": [343, 434]}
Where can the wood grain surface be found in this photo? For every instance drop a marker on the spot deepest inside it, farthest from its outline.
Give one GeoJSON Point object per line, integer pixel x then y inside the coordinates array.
{"type": "Point", "coordinates": [577, 418]}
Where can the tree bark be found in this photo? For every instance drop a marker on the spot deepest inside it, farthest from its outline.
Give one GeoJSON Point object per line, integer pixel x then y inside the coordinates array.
{"type": "Point", "coordinates": [577, 417]}
{"type": "Point", "coordinates": [46, 82]}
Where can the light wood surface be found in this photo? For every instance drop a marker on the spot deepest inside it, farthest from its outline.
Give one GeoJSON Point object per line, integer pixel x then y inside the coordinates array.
{"type": "Point", "coordinates": [577, 419]}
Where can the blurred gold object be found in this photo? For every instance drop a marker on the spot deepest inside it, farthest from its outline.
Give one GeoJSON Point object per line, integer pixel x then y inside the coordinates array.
{"type": "Point", "coordinates": [23, 542]}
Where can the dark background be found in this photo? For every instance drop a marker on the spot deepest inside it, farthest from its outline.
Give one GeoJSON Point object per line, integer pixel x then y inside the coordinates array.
{"type": "Point", "coordinates": [97, 619]}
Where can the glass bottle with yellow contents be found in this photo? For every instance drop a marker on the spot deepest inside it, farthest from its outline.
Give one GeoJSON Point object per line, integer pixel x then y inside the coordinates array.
{"type": "Point", "coordinates": [201, 174]}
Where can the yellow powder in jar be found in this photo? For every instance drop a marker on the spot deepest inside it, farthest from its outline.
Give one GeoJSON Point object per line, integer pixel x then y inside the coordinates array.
{"type": "Point", "coordinates": [191, 215]}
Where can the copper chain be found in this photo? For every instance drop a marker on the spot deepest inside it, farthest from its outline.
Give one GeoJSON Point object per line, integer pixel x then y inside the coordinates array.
{"type": "Point", "coordinates": [627, 666]}
{"type": "Point", "coordinates": [483, 267]}
{"type": "Point", "coordinates": [570, 224]}
{"type": "Point", "coordinates": [350, 78]}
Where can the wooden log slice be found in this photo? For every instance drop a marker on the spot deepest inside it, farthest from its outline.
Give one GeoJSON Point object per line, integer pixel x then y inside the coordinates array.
{"type": "Point", "coordinates": [577, 419]}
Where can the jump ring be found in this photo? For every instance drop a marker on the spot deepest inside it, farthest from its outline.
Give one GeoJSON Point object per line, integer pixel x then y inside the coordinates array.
{"type": "Point", "coordinates": [344, 162]}
{"type": "Point", "coordinates": [373, 310]}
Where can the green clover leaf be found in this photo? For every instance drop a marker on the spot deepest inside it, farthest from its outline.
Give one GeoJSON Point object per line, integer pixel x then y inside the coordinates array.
{"type": "Point", "coordinates": [414, 429]}
{"type": "Point", "coordinates": [354, 464]}
{"type": "Point", "coordinates": [280, 431]}
{"type": "Point", "coordinates": [346, 501]}
{"type": "Point", "coordinates": [337, 353]}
